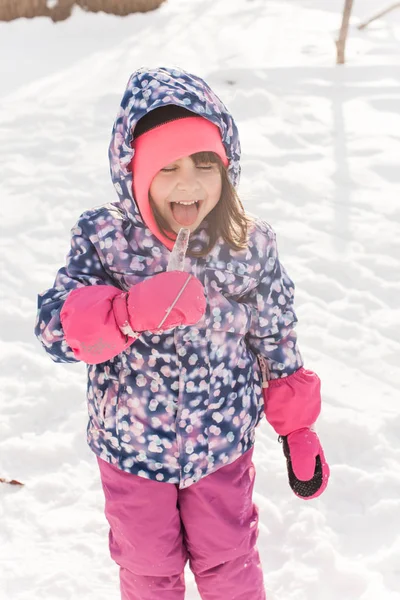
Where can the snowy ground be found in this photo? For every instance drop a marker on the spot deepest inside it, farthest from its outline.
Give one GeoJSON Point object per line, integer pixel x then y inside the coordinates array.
{"type": "Point", "coordinates": [321, 147]}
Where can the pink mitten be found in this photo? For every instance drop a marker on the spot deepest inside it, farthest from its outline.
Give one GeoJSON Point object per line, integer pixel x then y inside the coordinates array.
{"type": "Point", "coordinates": [292, 405]}
{"type": "Point", "coordinates": [164, 301]}
{"type": "Point", "coordinates": [100, 321]}
{"type": "Point", "coordinates": [307, 468]}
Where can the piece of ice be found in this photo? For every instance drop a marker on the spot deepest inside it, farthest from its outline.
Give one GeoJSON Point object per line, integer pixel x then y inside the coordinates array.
{"type": "Point", "coordinates": [177, 259]}
{"type": "Point", "coordinates": [177, 263]}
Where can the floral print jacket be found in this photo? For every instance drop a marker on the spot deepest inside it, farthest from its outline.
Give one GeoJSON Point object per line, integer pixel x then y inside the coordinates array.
{"type": "Point", "coordinates": [176, 406]}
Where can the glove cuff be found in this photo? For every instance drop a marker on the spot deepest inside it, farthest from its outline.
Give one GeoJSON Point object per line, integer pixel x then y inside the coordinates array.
{"type": "Point", "coordinates": [121, 314]}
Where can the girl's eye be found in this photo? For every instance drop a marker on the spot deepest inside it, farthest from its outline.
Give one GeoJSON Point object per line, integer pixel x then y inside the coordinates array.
{"type": "Point", "coordinates": [205, 167]}
{"type": "Point", "coordinates": [168, 169]}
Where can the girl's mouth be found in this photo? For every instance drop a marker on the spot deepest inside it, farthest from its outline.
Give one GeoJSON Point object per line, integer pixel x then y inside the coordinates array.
{"type": "Point", "coordinates": [185, 213]}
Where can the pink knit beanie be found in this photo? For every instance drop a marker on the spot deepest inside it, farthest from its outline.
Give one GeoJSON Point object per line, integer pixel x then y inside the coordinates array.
{"type": "Point", "coordinates": [162, 136]}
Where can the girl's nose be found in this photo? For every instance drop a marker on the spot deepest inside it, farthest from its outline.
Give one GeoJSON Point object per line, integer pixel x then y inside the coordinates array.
{"type": "Point", "coordinates": [188, 181]}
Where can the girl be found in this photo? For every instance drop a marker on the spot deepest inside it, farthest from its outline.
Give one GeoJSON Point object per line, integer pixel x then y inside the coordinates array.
{"type": "Point", "coordinates": [173, 351]}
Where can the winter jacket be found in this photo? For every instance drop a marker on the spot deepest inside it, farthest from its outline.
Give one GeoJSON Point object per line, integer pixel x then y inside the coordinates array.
{"type": "Point", "coordinates": [176, 406]}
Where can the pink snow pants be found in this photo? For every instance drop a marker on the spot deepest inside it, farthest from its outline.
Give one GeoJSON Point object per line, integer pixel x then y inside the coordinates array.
{"type": "Point", "coordinates": [156, 527]}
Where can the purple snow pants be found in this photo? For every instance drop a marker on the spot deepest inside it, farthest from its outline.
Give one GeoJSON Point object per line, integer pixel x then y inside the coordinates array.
{"type": "Point", "coordinates": [156, 527]}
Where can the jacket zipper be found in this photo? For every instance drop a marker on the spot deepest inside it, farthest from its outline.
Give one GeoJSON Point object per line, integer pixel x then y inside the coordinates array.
{"type": "Point", "coordinates": [178, 416]}
{"type": "Point", "coordinates": [264, 371]}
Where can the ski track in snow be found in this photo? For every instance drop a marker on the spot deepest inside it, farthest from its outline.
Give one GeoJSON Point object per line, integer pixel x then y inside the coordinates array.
{"type": "Point", "coordinates": [321, 163]}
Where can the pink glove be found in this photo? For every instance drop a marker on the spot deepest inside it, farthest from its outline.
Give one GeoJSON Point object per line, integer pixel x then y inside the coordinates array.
{"type": "Point", "coordinates": [307, 468]}
{"type": "Point", "coordinates": [292, 405]}
{"type": "Point", "coordinates": [100, 321]}
{"type": "Point", "coordinates": [161, 302]}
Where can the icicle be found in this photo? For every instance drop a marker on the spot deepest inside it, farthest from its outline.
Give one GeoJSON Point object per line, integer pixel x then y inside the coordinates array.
{"type": "Point", "coordinates": [177, 259]}
{"type": "Point", "coordinates": [177, 263]}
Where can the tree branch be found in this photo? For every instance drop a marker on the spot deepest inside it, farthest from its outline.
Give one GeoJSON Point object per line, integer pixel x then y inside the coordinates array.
{"type": "Point", "coordinates": [379, 15]}
{"type": "Point", "coordinates": [341, 41]}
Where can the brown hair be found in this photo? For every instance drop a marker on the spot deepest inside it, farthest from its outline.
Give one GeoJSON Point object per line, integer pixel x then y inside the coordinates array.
{"type": "Point", "coordinates": [227, 219]}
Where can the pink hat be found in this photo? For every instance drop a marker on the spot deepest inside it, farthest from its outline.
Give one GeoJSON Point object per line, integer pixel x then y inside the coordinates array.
{"type": "Point", "coordinates": [160, 137]}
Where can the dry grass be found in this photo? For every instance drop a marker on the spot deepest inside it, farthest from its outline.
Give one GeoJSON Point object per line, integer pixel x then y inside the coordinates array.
{"type": "Point", "coordinates": [61, 9]}
{"type": "Point", "coordinates": [119, 7]}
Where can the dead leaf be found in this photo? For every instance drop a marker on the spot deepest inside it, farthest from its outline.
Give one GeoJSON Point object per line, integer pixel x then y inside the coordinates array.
{"type": "Point", "coordinates": [10, 481]}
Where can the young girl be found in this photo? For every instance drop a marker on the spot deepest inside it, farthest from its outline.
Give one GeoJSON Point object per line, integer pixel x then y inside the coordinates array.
{"type": "Point", "coordinates": [184, 352]}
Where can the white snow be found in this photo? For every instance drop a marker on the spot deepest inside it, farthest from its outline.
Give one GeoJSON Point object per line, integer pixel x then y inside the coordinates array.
{"type": "Point", "coordinates": [321, 163]}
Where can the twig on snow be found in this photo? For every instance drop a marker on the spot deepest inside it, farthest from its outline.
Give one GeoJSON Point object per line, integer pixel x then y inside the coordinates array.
{"type": "Point", "coordinates": [341, 41]}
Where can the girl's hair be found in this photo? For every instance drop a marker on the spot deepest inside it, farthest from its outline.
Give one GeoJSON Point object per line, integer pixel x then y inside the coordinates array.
{"type": "Point", "coordinates": [227, 219]}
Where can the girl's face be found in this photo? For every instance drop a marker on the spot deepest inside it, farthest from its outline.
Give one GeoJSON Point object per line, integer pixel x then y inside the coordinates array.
{"type": "Point", "coordinates": [184, 192]}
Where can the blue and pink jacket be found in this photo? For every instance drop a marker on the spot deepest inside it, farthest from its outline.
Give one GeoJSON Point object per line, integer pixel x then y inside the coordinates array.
{"type": "Point", "coordinates": [178, 405]}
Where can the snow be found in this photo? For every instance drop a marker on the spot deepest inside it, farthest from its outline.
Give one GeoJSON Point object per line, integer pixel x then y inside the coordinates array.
{"type": "Point", "coordinates": [321, 163]}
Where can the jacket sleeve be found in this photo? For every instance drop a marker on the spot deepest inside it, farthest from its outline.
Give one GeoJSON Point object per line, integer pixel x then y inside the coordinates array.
{"type": "Point", "coordinates": [271, 332]}
{"type": "Point", "coordinates": [291, 393]}
{"type": "Point", "coordinates": [76, 304]}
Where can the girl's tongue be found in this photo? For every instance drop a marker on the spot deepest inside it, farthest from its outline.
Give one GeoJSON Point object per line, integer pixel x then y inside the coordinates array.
{"type": "Point", "coordinates": [185, 214]}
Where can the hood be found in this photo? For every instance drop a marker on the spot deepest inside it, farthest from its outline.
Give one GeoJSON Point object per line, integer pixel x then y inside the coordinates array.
{"type": "Point", "coordinates": [148, 89]}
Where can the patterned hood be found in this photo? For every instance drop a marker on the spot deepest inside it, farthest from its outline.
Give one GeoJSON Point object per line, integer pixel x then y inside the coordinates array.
{"type": "Point", "coordinates": [148, 89]}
